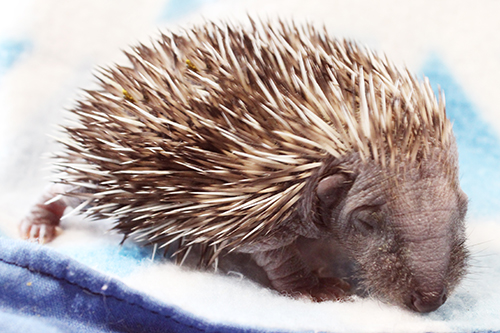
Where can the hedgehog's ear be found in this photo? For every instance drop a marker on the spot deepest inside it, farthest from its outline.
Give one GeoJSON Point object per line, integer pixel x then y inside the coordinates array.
{"type": "Point", "coordinates": [332, 189]}
{"type": "Point", "coordinates": [317, 204]}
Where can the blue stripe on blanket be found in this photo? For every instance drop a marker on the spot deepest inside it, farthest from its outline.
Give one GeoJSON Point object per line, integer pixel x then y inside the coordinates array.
{"type": "Point", "coordinates": [478, 144]}
{"type": "Point", "coordinates": [119, 260]}
{"type": "Point", "coordinates": [10, 51]}
{"type": "Point", "coordinates": [176, 9]}
{"type": "Point", "coordinates": [42, 287]}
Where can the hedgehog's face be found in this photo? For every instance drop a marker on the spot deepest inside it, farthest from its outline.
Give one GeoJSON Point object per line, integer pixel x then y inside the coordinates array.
{"type": "Point", "coordinates": [405, 230]}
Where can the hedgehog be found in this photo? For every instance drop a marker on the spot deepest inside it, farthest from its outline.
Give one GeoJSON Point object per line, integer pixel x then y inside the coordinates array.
{"type": "Point", "coordinates": [260, 138]}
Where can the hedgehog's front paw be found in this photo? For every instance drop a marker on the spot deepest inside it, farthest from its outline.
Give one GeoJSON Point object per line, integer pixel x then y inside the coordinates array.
{"type": "Point", "coordinates": [329, 289]}
{"type": "Point", "coordinates": [41, 224]}
{"type": "Point", "coordinates": [37, 229]}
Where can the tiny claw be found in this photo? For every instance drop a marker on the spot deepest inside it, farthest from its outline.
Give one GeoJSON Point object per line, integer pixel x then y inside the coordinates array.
{"type": "Point", "coordinates": [34, 232]}
{"type": "Point", "coordinates": [42, 235]}
{"type": "Point", "coordinates": [24, 229]}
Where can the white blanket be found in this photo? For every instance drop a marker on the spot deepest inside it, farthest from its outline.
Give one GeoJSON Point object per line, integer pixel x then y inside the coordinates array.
{"type": "Point", "coordinates": [48, 49]}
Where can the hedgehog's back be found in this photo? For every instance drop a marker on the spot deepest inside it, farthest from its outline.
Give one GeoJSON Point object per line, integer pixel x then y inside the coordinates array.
{"type": "Point", "coordinates": [211, 136]}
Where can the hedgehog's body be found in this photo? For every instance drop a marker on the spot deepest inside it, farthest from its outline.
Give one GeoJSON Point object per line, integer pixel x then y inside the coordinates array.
{"type": "Point", "coordinates": [249, 139]}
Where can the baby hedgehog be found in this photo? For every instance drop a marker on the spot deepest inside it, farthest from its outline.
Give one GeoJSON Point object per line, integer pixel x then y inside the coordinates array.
{"type": "Point", "coordinates": [257, 139]}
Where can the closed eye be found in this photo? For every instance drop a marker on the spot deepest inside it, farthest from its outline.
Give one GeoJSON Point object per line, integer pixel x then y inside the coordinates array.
{"type": "Point", "coordinates": [367, 220]}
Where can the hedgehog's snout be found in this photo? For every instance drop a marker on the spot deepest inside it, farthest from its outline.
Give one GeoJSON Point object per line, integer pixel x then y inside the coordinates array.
{"type": "Point", "coordinates": [427, 301]}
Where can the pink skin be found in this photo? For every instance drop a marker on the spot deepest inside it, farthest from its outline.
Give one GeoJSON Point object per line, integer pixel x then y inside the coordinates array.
{"type": "Point", "coordinates": [41, 224]}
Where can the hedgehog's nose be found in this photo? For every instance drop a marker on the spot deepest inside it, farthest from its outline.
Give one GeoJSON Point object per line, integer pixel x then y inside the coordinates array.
{"type": "Point", "coordinates": [427, 302]}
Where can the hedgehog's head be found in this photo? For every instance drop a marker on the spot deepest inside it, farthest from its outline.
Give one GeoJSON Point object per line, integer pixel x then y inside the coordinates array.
{"type": "Point", "coordinates": [403, 226]}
